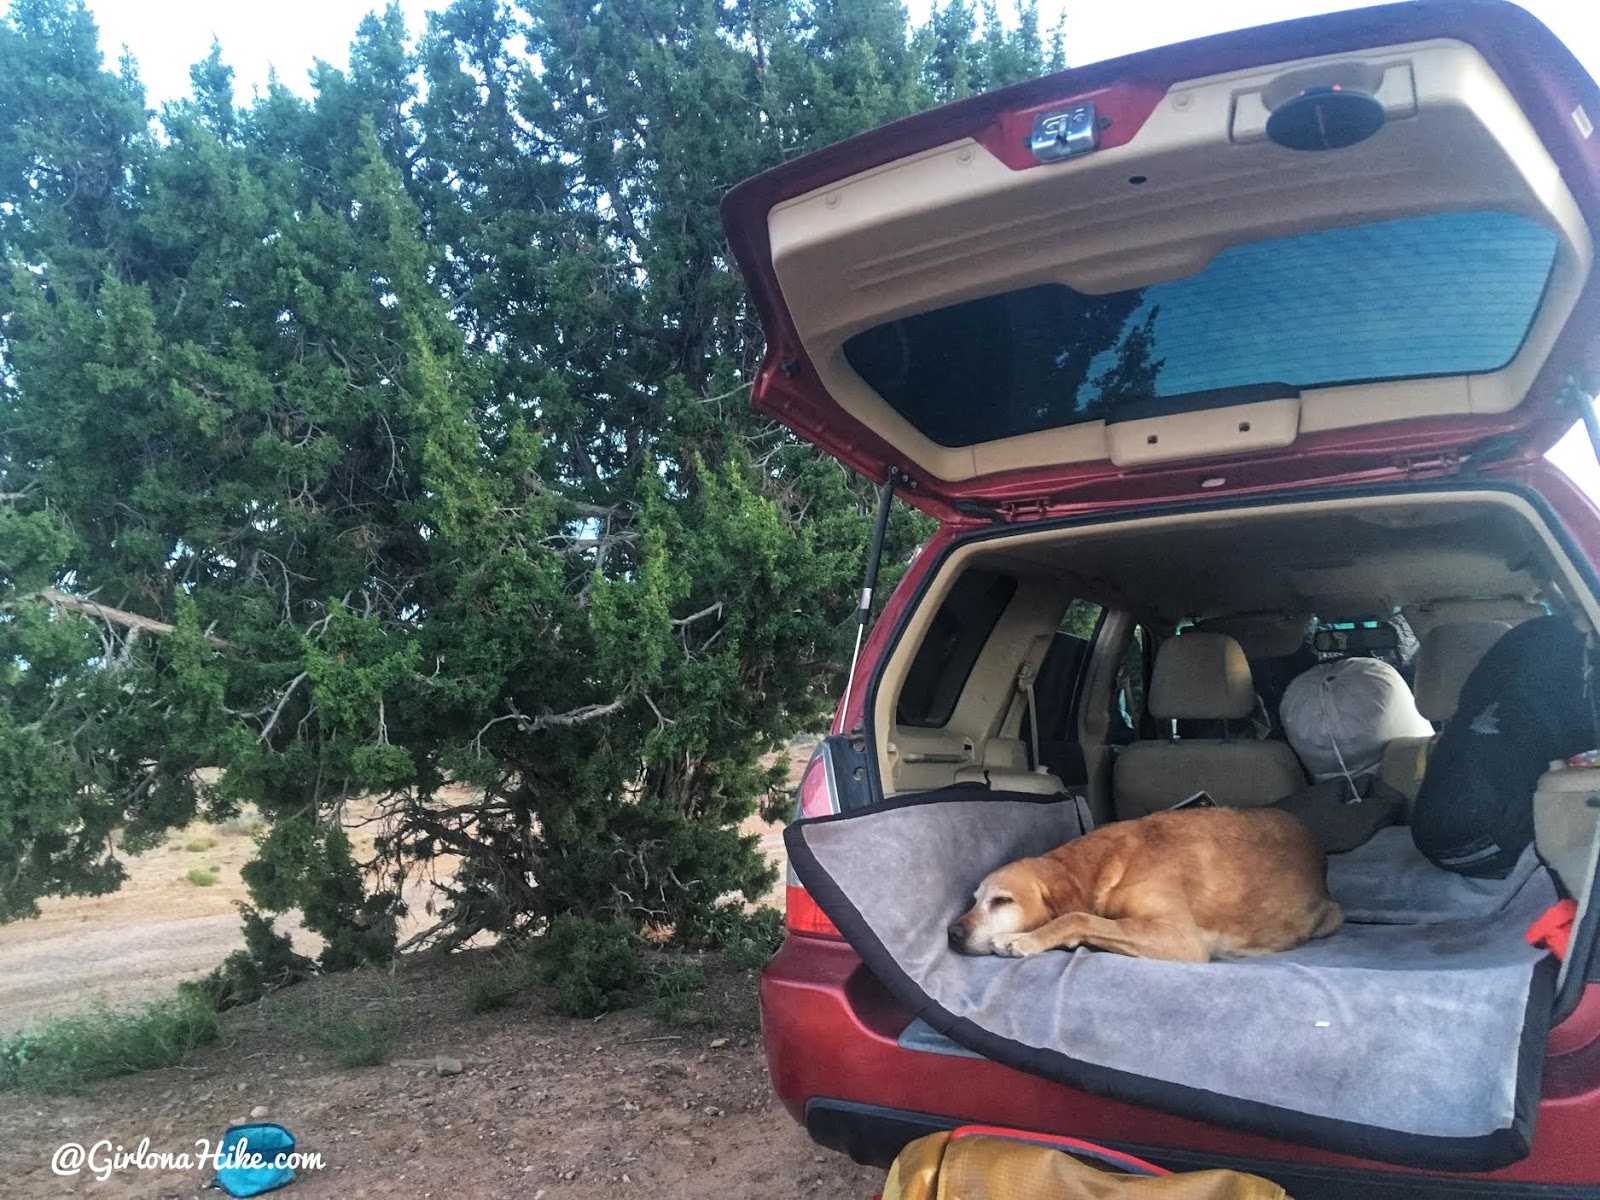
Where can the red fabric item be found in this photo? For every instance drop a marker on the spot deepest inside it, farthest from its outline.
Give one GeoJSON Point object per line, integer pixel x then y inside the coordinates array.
{"type": "Point", "coordinates": [1553, 929]}
{"type": "Point", "coordinates": [1068, 1144]}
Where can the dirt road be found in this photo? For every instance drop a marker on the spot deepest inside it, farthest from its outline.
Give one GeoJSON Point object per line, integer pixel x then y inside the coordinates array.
{"type": "Point", "coordinates": [159, 927]}
{"type": "Point", "coordinates": [135, 943]}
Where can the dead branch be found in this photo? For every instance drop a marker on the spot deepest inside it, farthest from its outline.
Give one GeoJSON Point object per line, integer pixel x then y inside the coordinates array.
{"type": "Point", "coordinates": [661, 721]}
{"type": "Point", "coordinates": [727, 395]}
{"type": "Point", "coordinates": [527, 724]}
{"type": "Point", "coordinates": [704, 612]}
{"type": "Point", "coordinates": [575, 716]}
{"type": "Point", "coordinates": [277, 711]}
{"type": "Point", "coordinates": [115, 616]}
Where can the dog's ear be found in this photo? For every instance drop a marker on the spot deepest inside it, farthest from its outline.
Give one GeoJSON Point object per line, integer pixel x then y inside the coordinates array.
{"type": "Point", "coordinates": [1060, 891]}
{"type": "Point", "coordinates": [1046, 883]}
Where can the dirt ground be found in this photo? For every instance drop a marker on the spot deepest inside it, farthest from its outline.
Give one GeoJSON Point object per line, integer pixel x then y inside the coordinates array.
{"type": "Point", "coordinates": [546, 1108]}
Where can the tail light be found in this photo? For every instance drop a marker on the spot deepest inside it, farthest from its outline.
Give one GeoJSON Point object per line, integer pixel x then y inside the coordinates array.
{"type": "Point", "coordinates": [817, 798]}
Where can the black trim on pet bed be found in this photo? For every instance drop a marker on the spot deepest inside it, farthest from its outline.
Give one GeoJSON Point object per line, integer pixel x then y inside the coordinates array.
{"type": "Point", "coordinates": [1485, 1152]}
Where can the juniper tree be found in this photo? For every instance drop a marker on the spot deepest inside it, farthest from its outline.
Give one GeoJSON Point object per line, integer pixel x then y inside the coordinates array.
{"type": "Point", "coordinates": [393, 443]}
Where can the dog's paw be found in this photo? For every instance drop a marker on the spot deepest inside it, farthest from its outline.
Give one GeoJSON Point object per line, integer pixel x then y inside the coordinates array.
{"type": "Point", "coordinates": [1016, 945]}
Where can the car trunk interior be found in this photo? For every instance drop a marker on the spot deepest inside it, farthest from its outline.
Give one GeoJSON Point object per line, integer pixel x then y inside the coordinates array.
{"type": "Point", "coordinates": [951, 704]}
{"type": "Point", "coordinates": [1060, 626]}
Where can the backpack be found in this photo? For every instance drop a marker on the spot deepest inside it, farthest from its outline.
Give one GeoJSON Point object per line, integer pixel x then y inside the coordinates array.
{"type": "Point", "coordinates": [977, 1162]}
{"type": "Point", "coordinates": [1523, 706]}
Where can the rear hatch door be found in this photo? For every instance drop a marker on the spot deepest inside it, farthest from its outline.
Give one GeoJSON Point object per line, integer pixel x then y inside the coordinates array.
{"type": "Point", "coordinates": [1352, 247]}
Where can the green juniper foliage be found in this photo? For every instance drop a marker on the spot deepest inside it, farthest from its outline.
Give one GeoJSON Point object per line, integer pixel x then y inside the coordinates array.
{"type": "Point", "coordinates": [393, 443]}
{"type": "Point", "coordinates": [491, 990]}
{"type": "Point", "coordinates": [267, 962]}
{"type": "Point", "coordinates": [594, 966]}
{"type": "Point", "coordinates": [673, 991]}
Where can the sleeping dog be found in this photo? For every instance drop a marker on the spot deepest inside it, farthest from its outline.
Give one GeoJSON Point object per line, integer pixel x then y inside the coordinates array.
{"type": "Point", "coordinates": [1190, 885]}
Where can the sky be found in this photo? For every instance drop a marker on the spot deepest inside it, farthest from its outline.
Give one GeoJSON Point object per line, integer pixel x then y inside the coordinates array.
{"type": "Point", "coordinates": [167, 36]}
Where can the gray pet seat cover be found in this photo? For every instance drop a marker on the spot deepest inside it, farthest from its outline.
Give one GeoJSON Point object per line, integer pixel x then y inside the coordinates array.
{"type": "Point", "coordinates": [1414, 1035]}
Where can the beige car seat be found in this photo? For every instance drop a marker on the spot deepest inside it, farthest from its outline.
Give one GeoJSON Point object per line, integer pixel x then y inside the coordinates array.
{"type": "Point", "coordinates": [1449, 653]}
{"type": "Point", "coordinates": [1203, 677]}
{"type": "Point", "coordinates": [1005, 769]}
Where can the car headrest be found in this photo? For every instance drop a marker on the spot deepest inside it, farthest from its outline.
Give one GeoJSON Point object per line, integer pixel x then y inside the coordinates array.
{"type": "Point", "coordinates": [1448, 655]}
{"type": "Point", "coordinates": [1201, 676]}
{"type": "Point", "coordinates": [1263, 635]}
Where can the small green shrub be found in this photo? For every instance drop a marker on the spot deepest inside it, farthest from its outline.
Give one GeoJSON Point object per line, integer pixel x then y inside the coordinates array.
{"type": "Point", "coordinates": [199, 845]}
{"type": "Point", "coordinates": [594, 966]}
{"type": "Point", "coordinates": [65, 1053]}
{"type": "Point", "coordinates": [201, 878]}
{"type": "Point", "coordinates": [491, 990]}
{"type": "Point", "coordinates": [747, 939]}
{"type": "Point", "coordinates": [354, 1038]}
{"type": "Point", "coordinates": [757, 940]}
{"type": "Point", "coordinates": [267, 962]}
{"type": "Point", "coordinates": [672, 990]}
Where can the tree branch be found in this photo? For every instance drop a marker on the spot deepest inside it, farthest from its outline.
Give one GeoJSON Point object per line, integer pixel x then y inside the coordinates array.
{"type": "Point", "coordinates": [527, 724]}
{"type": "Point", "coordinates": [277, 711]}
{"type": "Point", "coordinates": [539, 487]}
{"type": "Point", "coordinates": [704, 612]}
{"type": "Point", "coordinates": [115, 616]}
{"type": "Point", "coordinates": [574, 716]}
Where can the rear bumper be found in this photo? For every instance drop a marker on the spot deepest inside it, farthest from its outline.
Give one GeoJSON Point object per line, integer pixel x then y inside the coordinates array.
{"type": "Point", "coordinates": [831, 1033]}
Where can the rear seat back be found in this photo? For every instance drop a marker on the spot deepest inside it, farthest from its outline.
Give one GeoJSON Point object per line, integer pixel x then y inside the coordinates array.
{"type": "Point", "coordinates": [1448, 655]}
{"type": "Point", "coordinates": [1005, 769]}
{"type": "Point", "coordinates": [1205, 677]}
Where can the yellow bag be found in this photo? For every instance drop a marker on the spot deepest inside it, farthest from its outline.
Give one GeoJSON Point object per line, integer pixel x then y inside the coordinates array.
{"type": "Point", "coordinates": [976, 1162]}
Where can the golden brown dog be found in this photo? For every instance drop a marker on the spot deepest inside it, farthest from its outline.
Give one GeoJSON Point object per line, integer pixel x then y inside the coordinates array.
{"type": "Point", "coordinates": [1190, 885]}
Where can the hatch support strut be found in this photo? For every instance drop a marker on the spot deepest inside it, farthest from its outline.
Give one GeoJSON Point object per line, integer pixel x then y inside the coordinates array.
{"type": "Point", "coordinates": [874, 554]}
{"type": "Point", "coordinates": [1591, 422]}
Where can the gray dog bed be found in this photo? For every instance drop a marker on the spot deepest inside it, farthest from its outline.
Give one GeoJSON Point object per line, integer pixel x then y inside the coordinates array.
{"type": "Point", "coordinates": [1415, 1034]}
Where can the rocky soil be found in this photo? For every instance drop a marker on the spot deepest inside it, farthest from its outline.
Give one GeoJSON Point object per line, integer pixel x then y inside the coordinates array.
{"type": "Point", "coordinates": [544, 1107]}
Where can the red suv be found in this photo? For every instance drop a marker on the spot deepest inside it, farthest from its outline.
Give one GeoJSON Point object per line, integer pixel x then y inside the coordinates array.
{"type": "Point", "coordinates": [1265, 337]}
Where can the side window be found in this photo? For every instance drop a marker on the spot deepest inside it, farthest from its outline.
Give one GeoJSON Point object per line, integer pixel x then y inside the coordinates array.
{"type": "Point", "coordinates": [954, 640]}
{"type": "Point", "coordinates": [1128, 717]}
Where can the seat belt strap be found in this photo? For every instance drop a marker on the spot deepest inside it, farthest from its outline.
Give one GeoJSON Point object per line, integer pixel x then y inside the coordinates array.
{"type": "Point", "coordinates": [1085, 816]}
{"type": "Point", "coordinates": [1025, 686]}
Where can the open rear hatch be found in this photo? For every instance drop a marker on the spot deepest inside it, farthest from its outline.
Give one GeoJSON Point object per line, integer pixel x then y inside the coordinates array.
{"type": "Point", "coordinates": [1357, 246]}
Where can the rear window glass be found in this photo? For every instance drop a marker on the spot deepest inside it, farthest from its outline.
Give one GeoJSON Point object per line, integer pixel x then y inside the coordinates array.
{"type": "Point", "coordinates": [1444, 294]}
{"type": "Point", "coordinates": [954, 640]}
